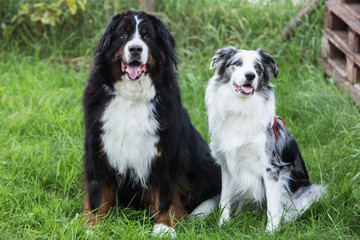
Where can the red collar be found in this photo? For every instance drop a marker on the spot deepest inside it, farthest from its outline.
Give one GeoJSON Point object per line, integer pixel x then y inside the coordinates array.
{"type": "Point", "coordinates": [278, 127]}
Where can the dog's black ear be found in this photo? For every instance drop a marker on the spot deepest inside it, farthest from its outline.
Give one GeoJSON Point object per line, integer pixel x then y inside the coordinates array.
{"type": "Point", "coordinates": [163, 32]}
{"type": "Point", "coordinates": [165, 38]}
{"type": "Point", "coordinates": [222, 55]}
{"type": "Point", "coordinates": [106, 38]}
{"type": "Point", "coordinates": [269, 63]}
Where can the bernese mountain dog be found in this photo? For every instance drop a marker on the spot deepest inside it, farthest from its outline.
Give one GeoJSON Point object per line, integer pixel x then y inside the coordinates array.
{"type": "Point", "coordinates": [141, 149]}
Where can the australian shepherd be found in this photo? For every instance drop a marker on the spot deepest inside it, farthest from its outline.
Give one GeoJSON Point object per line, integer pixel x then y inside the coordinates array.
{"type": "Point", "coordinates": [260, 160]}
{"type": "Point", "coordinates": [141, 149]}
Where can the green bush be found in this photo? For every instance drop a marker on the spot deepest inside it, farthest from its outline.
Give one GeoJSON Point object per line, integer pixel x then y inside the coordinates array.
{"type": "Point", "coordinates": [30, 20]}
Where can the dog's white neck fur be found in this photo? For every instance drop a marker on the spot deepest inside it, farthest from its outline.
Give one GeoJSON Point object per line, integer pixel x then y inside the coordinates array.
{"type": "Point", "coordinates": [225, 108]}
{"type": "Point", "coordinates": [129, 128]}
{"type": "Point", "coordinates": [141, 90]}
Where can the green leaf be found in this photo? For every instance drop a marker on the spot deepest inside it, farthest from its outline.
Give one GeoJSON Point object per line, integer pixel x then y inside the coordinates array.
{"type": "Point", "coordinates": [34, 17]}
{"type": "Point", "coordinates": [25, 8]}
{"type": "Point", "coordinates": [45, 19]}
{"type": "Point", "coordinates": [72, 6]}
{"type": "Point", "coordinates": [73, 9]}
{"type": "Point", "coordinates": [82, 4]}
{"type": "Point", "coordinates": [39, 5]}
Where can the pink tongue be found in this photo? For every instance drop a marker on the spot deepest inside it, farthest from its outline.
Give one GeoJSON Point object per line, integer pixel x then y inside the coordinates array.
{"type": "Point", "coordinates": [247, 89]}
{"type": "Point", "coordinates": [133, 71]}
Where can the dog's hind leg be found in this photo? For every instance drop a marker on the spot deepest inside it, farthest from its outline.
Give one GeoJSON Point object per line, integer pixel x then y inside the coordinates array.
{"type": "Point", "coordinates": [207, 207]}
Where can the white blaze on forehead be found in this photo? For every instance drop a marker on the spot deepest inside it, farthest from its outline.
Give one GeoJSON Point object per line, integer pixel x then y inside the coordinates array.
{"type": "Point", "coordinates": [137, 40]}
{"type": "Point", "coordinates": [248, 58]}
{"type": "Point", "coordinates": [137, 34]}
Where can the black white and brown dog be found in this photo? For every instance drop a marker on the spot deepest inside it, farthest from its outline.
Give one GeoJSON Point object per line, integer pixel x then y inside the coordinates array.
{"type": "Point", "coordinates": [140, 146]}
{"type": "Point", "coordinates": [260, 160]}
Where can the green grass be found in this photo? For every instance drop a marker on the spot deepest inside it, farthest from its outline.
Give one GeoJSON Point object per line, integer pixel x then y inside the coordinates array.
{"type": "Point", "coordinates": [41, 122]}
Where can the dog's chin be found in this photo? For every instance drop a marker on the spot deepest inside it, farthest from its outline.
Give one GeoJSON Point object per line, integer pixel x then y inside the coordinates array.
{"type": "Point", "coordinates": [134, 71]}
{"type": "Point", "coordinates": [244, 90]}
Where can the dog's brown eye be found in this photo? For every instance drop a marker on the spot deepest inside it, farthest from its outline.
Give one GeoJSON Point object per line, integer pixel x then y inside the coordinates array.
{"type": "Point", "coordinates": [124, 35]}
{"type": "Point", "coordinates": [238, 64]}
{"type": "Point", "coordinates": [257, 67]}
{"type": "Point", "coordinates": [146, 36]}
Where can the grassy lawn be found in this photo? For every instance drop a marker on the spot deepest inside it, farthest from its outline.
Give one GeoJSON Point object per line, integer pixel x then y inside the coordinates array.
{"type": "Point", "coordinates": [41, 121]}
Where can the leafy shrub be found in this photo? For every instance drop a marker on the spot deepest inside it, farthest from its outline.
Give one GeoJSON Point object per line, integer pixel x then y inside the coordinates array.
{"type": "Point", "coordinates": [31, 16]}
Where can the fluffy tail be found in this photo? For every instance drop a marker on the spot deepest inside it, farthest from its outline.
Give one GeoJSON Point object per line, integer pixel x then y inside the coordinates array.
{"type": "Point", "coordinates": [207, 207]}
{"type": "Point", "coordinates": [302, 200]}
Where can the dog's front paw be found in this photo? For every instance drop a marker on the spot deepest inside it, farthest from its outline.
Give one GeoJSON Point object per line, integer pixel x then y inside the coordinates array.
{"type": "Point", "coordinates": [271, 227]}
{"type": "Point", "coordinates": [161, 230]}
{"type": "Point", "coordinates": [222, 221]}
{"type": "Point", "coordinates": [225, 216]}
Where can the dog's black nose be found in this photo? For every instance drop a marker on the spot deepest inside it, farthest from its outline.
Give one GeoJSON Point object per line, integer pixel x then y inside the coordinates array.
{"type": "Point", "coordinates": [135, 49]}
{"type": "Point", "coordinates": [249, 76]}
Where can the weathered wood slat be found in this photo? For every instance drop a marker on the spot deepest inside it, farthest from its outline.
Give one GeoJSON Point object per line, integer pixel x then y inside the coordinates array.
{"type": "Point", "coordinates": [342, 82]}
{"type": "Point", "coordinates": [342, 45]}
{"type": "Point", "coordinates": [353, 8]}
{"type": "Point", "coordinates": [344, 15]}
{"type": "Point", "coordinates": [341, 42]}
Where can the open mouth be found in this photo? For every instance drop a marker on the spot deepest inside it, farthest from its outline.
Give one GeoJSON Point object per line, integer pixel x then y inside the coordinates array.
{"type": "Point", "coordinates": [245, 89]}
{"type": "Point", "coordinates": [134, 70]}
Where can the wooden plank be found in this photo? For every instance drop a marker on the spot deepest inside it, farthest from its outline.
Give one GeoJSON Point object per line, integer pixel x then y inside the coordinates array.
{"type": "Point", "coordinates": [356, 74]}
{"type": "Point", "coordinates": [335, 37]}
{"type": "Point", "coordinates": [344, 16]}
{"type": "Point", "coordinates": [341, 36]}
{"type": "Point", "coordinates": [337, 41]}
{"type": "Point", "coordinates": [351, 39]}
{"type": "Point", "coordinates": [357, 57]}
{"type": "Point", "coordinates": [334, 22]}
{"type": "Point", "coordinates": [341, 82]}
{"type": "Point", "coordinates": [353, 8]}
{"type": "Point", "coordinates": [357, 43]}
{"type": "Point", "coordinates": [339, 65]}
{"type": "Point", "coordinates": [350, 70]}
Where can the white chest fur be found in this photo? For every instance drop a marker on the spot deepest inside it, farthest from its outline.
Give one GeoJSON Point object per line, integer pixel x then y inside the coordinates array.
{"type": "Point", "coordinates": [129, 128]}
{"type": "Point", "coordinates": [237, 122]}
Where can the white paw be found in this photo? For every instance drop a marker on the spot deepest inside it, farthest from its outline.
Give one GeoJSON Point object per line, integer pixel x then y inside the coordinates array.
{"type": "Point", "coordinates": [270, 227]}
{"type": "Point", "coordinates": [161, 230]}
{"type": "Point", "coordinates": [222, 221]}
{"type": "Point", "coordinates": [225, 217]}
